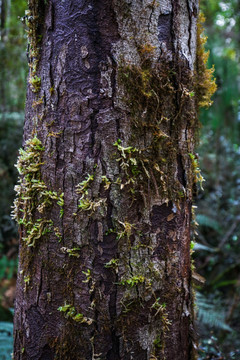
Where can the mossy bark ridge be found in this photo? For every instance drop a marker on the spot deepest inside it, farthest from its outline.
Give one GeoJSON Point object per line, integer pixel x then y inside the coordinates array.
{"type": "Point", "coordinates": [111, 118]}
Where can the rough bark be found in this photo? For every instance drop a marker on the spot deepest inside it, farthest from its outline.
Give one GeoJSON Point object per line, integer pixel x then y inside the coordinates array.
{"type": "Point", "coordinates": [105, 269]}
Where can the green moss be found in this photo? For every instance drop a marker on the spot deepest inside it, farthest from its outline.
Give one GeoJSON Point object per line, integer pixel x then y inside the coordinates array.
{"type": "Point", "coordinates": [88, 275]}
{"type": "Point", "coordinates": [82, 187]}
{"type": "Point", "coordinates": [86, 203]}
{"type": "Point", "coordinates": [133, 280]}
{"type": "Point", "coordinates": [113, 263]}
{"type": "Point", "coordinates": [33, 196]}
{"type": "Point", "coordinates": [125, 230]}
{"type": "Point", "coordinates": [197, 176]}
{"type": "Point", "coordinates": [205, 83]}
{"type": "Point", "coordinates": [35, 83]}
{"type": "Point", "coordinates": [160, 99]}
{"type": "Point", "coordinates": [26, 280]}
{"type": "Point", "coordinates": [159, 341]}
{"type": "Point", "coordinates": [61, 204]}
{"type": "Point", "coordinates": [70, 312]}
{"type": "Point", "coordinates": [146, 88]}
{"type": "Point", "coordinates": [58, 233]}
{"type": "Point", "coordinates": [28, 165]}
{"type": "Point", "coordinates": [36, 230]}
{"type": "Point", "coordinates": [128, 163]}
{"type": "Point", "coordinates": [37, 102]}
{"type": "Point", "coordinates": [107, 183]}
{"type": "Point", "coordinates": [71, 252]}
{"type": "Point", "coordinates": [34, 21]}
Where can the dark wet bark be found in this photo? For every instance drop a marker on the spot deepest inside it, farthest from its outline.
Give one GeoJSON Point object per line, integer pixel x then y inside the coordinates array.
{"type": "Point", "coordinates": [138, 216]}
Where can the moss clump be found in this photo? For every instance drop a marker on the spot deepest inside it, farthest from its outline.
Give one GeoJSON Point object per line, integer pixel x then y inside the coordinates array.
{"type": "Point", "coordinates": [160, 99]}
{"type": "Point", "coordinates": [86, 203]}
{"type": "Point", "coordinates": [133, 280]}
{"type": "Point", "coordinates": [71, 252]}
{"type": "Point", "coordinates": [113, 263]}
{"type": "Point", "coordinates": [34, 21]}
{"type": "Point", "coordinates": [33, 196]}
{"type": "Point", "coordinates": [125, 230]}
{"type": "Point", "coordinates": [28, 166]}
{"type": "Point", "coordinates": [35, 83]}
{"type": "Point", "coordinates": [205, 83]}
{"type": "Point", "coordinates": [159, 342]}
{"type": "Point", "coordinates": [146, 88]}
{"type": "Point", "coordinates": [197, 176]}
{"type": "Point", "coordinates": [71, 313]}
{"type": "Point", "coordinates": [60, 202]}
{"type": "Point", "coordinates": [83, 186]}
{"type": "Point", "coordinates": [129, 162]}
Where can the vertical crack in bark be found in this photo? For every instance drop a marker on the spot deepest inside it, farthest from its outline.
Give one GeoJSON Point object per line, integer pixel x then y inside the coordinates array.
{"type": "Point", "coordinates": [39, 285]}
{"type": "Point", "coordinates": [190, 14]}
{"type": "Point", "coordinates": [113, 353]}
{"type": "Point", "coordinates": [165, 22]}
{"type": "Point", "coordinates": [181, 172]}
{"type": "Point", "coordinates": [94, 126]}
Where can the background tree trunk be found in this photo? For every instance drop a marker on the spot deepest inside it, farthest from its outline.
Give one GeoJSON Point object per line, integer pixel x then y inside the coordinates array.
{"type": "Point", "coordinates": [105, 194]}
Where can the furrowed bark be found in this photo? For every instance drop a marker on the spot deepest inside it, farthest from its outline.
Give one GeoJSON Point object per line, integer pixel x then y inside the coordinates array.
{"type": "Point", "coordinates": [105, 268]}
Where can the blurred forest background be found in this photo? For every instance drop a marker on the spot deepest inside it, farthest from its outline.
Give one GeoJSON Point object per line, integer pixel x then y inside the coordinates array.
{"type": "Point", "coordinates": [216, 242]}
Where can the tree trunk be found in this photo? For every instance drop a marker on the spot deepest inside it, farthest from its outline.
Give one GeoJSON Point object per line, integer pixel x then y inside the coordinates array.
{"type": "Point", "coordinates": [107, 172]}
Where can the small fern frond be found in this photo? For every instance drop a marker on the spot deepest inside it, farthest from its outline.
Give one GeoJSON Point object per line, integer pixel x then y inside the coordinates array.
{"type": "Point", "coordinates": [211, 313]}
{"type": "Point", "coordinates": [205, 220]}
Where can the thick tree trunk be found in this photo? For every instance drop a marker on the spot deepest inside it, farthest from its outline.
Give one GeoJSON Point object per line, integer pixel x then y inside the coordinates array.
{"type": "Point", "coordinates": [105, 195]}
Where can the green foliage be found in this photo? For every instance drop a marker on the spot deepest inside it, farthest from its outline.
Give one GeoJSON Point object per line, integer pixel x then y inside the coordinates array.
{"type": "Point", "coordinates": [8, 267]}
{"type": "Point", "coordinates": [223, 25]}
{"type": "Point", "coordinates": [217, 248]}
{"type": "Point", "coordinates": [13, 72]}
{"type": "Point", "coordinates": [13, 64]}
{"type": "Point", "coordinates": [219, 232]}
